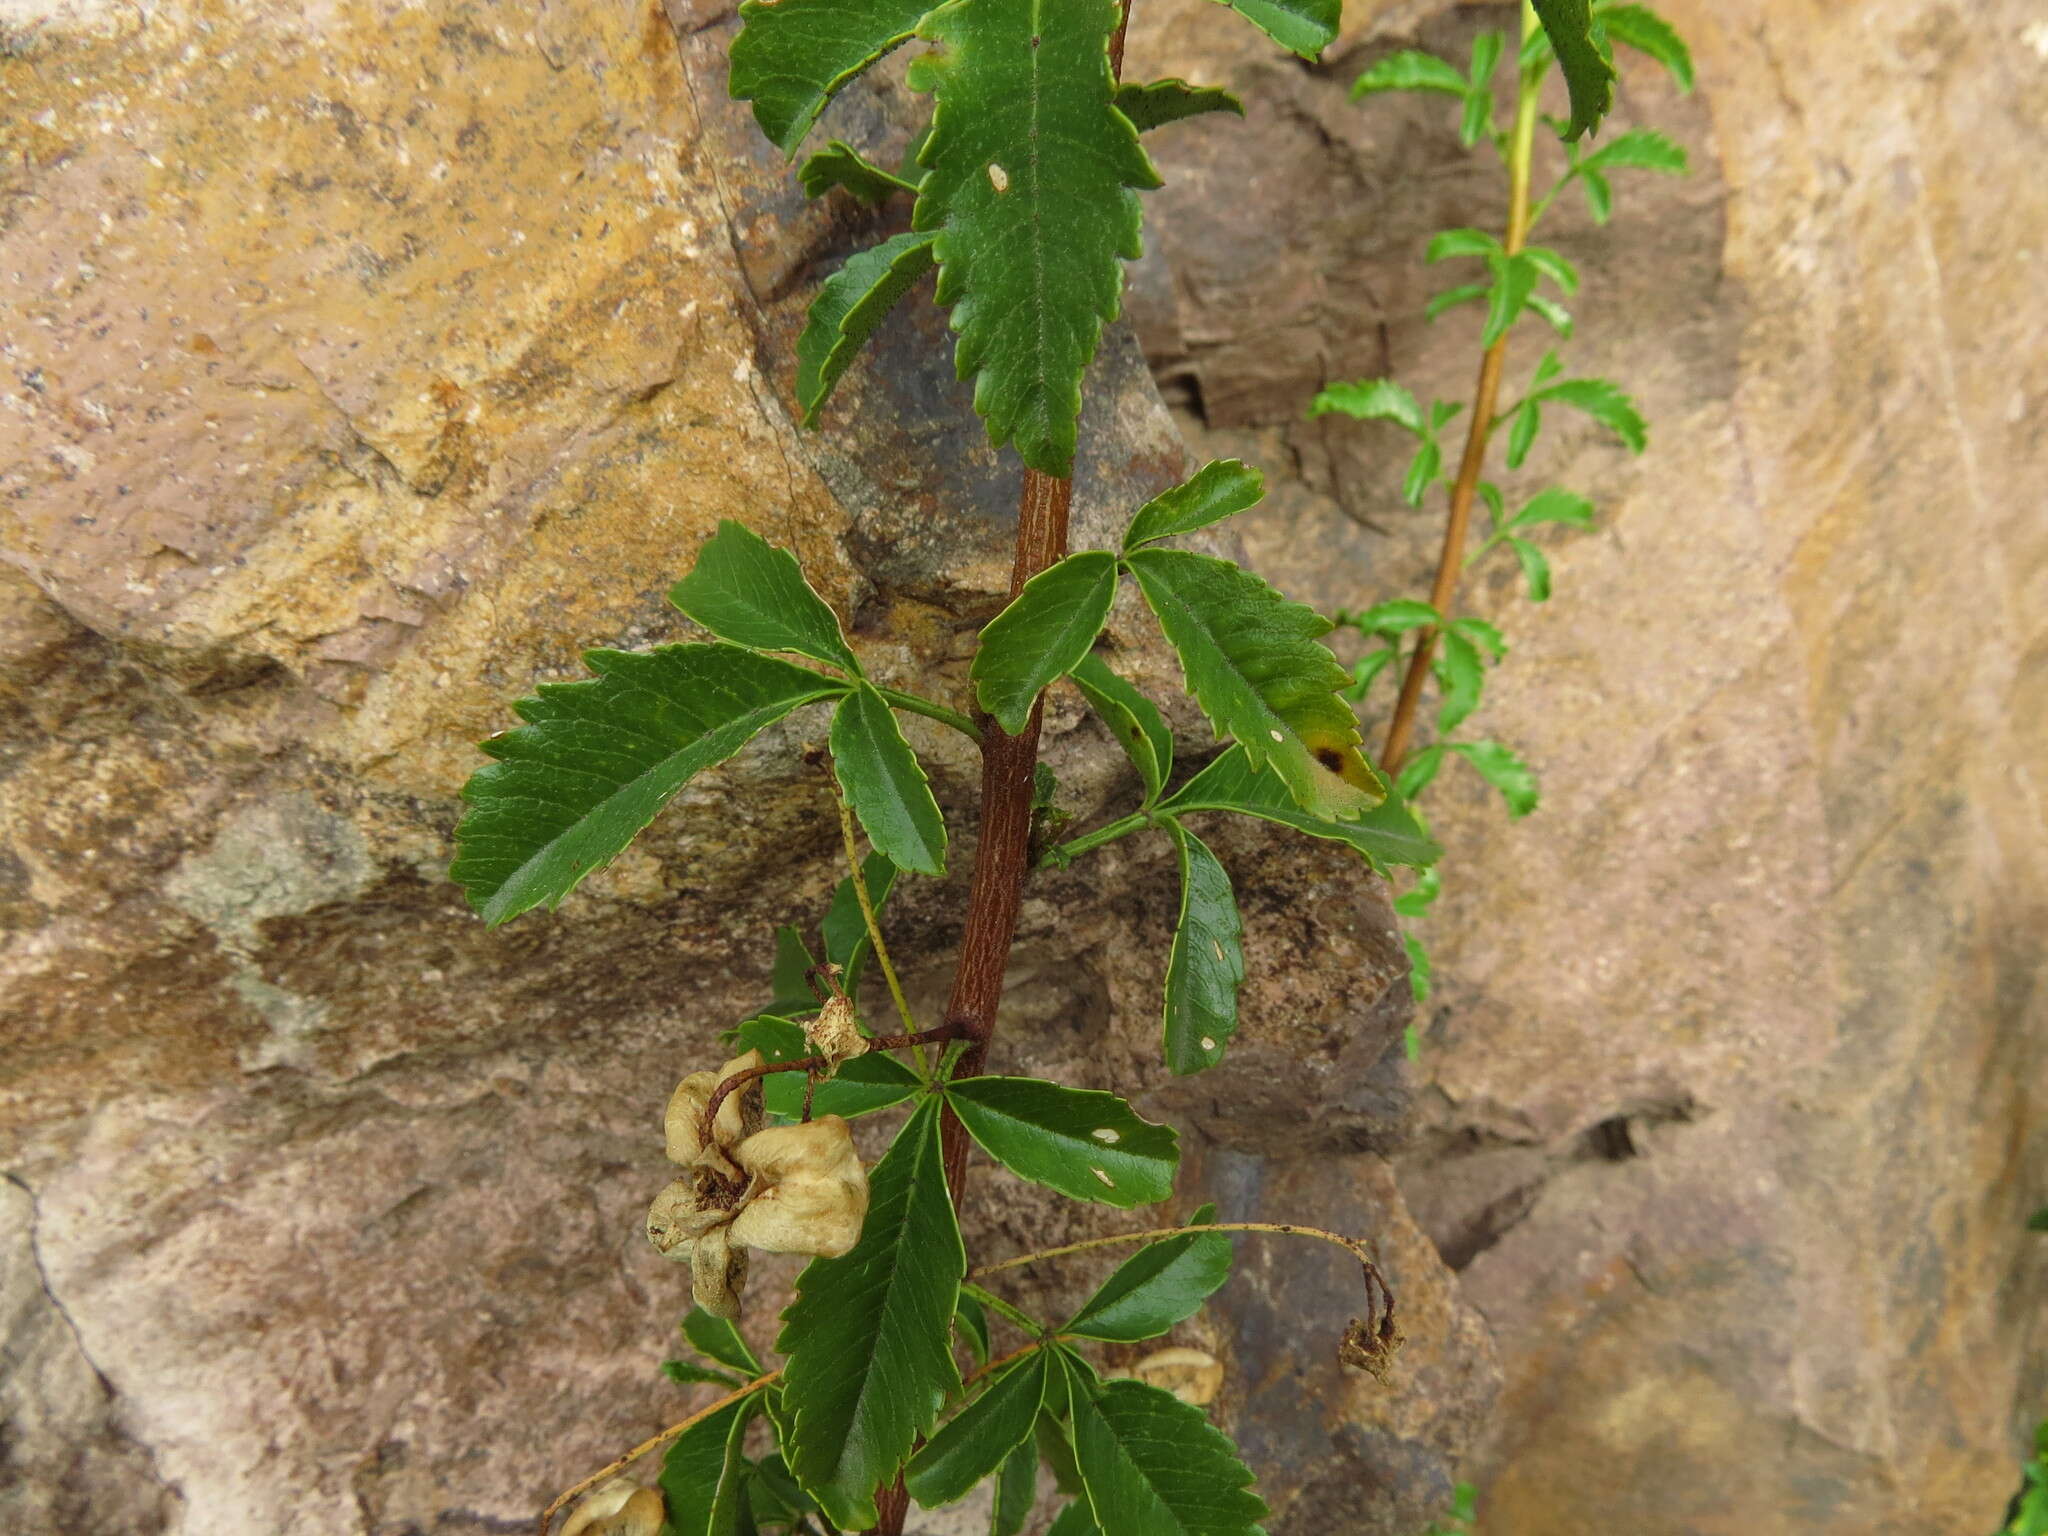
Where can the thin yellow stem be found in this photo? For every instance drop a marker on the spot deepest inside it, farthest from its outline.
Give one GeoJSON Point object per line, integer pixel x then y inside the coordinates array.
{"type": "Point", "coordinates": [1350, 1245]}
{"type": "Point", "coordinates": [867, 913]}
{"type": "Point", "coordinates": [625, 1461]}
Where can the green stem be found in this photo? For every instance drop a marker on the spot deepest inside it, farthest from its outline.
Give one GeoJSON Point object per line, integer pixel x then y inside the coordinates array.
{"type": "Point", "coordinates": [867, 913]}
{"type": "Point", "coordinates": [995, 1303]}
{"type": "Point", "coordinates": [1088, 842]}
{"type": "Point", "coordinates": [931, 711]}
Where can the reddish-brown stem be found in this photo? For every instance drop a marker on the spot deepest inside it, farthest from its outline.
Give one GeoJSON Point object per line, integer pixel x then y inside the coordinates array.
{"type": "Point", "coordinates": [1478, 430]}
{"type": "Point", "coordinates": [1452, 561]}
{"type": "Point", "coordinates": [1002, 857]}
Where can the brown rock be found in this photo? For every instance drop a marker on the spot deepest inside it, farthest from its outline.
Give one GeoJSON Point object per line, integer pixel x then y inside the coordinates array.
{"type": "Point", "coordinates": [1731, 1063]}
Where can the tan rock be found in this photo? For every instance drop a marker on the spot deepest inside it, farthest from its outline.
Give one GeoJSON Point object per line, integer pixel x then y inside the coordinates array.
{"type": "Point", "coordinates": [1731, 1062]}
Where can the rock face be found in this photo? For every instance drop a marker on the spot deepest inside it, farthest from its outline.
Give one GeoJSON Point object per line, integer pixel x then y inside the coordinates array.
{"type": "Point", "coordinates": [1734, 1069]}
{"type": "Point", "coordinates": [373, 360]}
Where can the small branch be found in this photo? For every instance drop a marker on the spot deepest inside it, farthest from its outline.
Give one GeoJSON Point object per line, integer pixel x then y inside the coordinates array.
{"type": "Point", "coordinates": [867, 914]}
{"type": "Point", "coordinates": [937, 1036]}
{"type": "Point", "coordinates": [1478, 432]}
{"type": "Point", "coordinates": [1016, 1354]}
{"type": "Point", "coordinates": [625, 1461]}
{"type": "Point", "coordinates": [918, 706]}
{"type": "Point", "coordinates": [1350, 1245]}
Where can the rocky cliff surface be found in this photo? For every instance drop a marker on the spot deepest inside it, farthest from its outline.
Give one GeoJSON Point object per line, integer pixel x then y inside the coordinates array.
{"type": "Point", "coordinates": [370, 360]}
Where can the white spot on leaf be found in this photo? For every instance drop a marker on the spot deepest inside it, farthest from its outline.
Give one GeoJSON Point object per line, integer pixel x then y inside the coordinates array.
{"type": "Point", "coordinates": [1208, 1044]}
{"type": "Point", "coordinates": [1107, 1181]}
{"type": "Point", "coordinates": [1276, 735]}
{"type": "Point", "coordinates": [998, 177]}
{"type": "Point", "coordinates": [1106, 1136]}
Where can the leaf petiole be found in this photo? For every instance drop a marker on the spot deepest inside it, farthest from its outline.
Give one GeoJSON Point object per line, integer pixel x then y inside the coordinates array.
{"type": "Point", "coordinates": [1088, 842]}
{"type": "Point", "coordinates": [1021, 1318]}
{"type": "Point", "coordinates": [911, 703]}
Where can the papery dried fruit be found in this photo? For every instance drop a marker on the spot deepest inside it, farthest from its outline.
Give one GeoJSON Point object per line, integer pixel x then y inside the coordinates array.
{"type": "Point", "coordinates": [788, 1189]}
{"type": "Point", "coordinates": [617, 1508]}
{"type": "Point", "coordinates": [1192, 1375]}
{"type": "Point", "coordinates": [810, 1192]}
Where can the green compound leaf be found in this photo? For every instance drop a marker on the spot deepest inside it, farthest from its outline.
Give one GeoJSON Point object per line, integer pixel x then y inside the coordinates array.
{"type": "Point", "coordinates": [1505, 771]}
{"type": "Point", "coordinates": [886, 785]}
{"type": "Point", "coordinates": [1482, 634]}
{"type": "Point", "coordinates": [850, 304]}
{"type": "Point", "coordinates": [1453, 243]}
{"type": "Point", "coordinates": [745, 590]}
{"type": "Point", "coordinates": [1163, 1283]}
{"type": "Point", "coordinates": [1044, 634]}
{"type": "Point", "coordinates": [1396, 616]}
{"type": "Point", "coordinates": [1451, 298]}
{"type": "Point", "coordinates": [1305, 27]}
{"type": "Point", "coordinates": [1462, 675]}
{"type": "Point", "coordinates": [970, 1319]}
{"type": "Point", "coordinates": [1599, 195]}
{"type": "Point", "coordinates": [1156, 103]}
{"type": "Point", "coordinates": [1155, 1466]}
{"type": "Point", "coordinates": [1553, 266]}
{"type": "Point", "coordinates": [1420, 970]}
{"type": "Point", "coordinates": [718, 1340]}
{"type": "Point", "coordinates": [1603, 400]}
{"type": "Point", "coordinates": [1085, 1144]}
{"type": "Point", "coordinates": [1640, 149]}
{"type": "Point", "coordinates": [1388, 834]}
{"type": "Point", "coordinates": [1477, 120]}
{"type": "Point", "coordinates": [1555, 505]}
{"type": "Point", "coordinates": [1640, 28]}
{"type": "Point", "coordinates": [1420, 771]}
{"type": "Point", "coordinates": [1410, 70]}
{"type": "Point", "coordinates": [1418, 898]}
{"type": "Point", "coordinates": [596, 761]}
{"type": "Point", "coordinates": [1219, 489]}
{"type": "Point", "coordinates": [1206, 964]}
{"type": "Point", "coordinates": [979, 1438]}
{"type": "Point", "coordinates": [1030, 192]}
{"type": "Point", "coordinates": [792, 994]}
{"type": "Point", "coordinates": [704, 1474]}
{"type": "Point", "coordinates": [1535, 569]}
{"type": "Point", "coordinates": [1367, 669]}
{"type": "Point", "coordinates": [1588, 75]}
{"type": "Point", "coordinates": [1255, 664]}
{"type": "Point", "coordinates": [1132, 718]}
{"type": "Point", "coordinates": [792, 56]}
{"type": "Point", "coordinates": [1514, 279]}
{"type": "Point", "coordinates": [1016, 1491]}
{"type": "Point", "coordinates": [839, 164]}
{"type": "Point", "coordinates": [1554, 314]}
{"type": "Point", "coordinates": [1523, 426]}
{"type": "Point", "coordinates": [1077, 1519]}
{"type": "Point", "coordinates": [869, 1334]}
{"type": "Point", "coordinates": [1424, 470]}
{"type": "Point", "coordinates": [1372, 400]}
